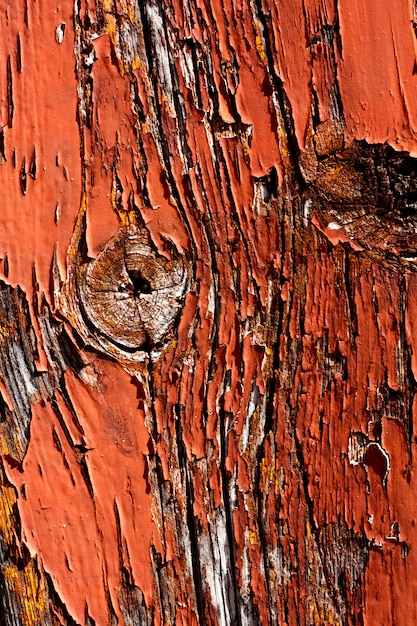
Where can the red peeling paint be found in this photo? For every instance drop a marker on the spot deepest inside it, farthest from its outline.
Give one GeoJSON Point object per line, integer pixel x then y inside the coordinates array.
{"type": "Point", "coordinates": [55, 504]}
{"type": "Point", "coordinates": [377, 78]}
{"type": "Point", "coordinates": [282, 407]}
{"type": "Point", "coordinates": [44, 130]}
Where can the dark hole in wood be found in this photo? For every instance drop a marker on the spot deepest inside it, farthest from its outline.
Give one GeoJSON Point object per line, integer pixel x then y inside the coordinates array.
{"type": "Point", "coordinates": [412, 197]}
{"type": "Point", "coordinates": [139, 282]}
{"type": "Point", "coordinates": [375, 459]}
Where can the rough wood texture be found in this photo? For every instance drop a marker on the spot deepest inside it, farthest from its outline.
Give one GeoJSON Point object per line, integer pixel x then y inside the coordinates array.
{"type": "Point", "coordinates": [208, 336]}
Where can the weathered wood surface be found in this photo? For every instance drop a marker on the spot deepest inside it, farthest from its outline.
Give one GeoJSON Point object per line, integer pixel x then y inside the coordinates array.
{"type": "Point", "coordinates": [208, 337]}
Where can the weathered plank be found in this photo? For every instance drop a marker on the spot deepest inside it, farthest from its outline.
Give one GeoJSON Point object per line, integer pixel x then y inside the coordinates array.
{"type": "Point", "coordinates": [207, 305]}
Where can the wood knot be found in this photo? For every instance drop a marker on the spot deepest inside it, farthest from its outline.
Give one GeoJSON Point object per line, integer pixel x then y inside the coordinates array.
{"type": "Point", "coordinates": [126, 301]}
{"type": "Point", "coordinates": [369, 193]}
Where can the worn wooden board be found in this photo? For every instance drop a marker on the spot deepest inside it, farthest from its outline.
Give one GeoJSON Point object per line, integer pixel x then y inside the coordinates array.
{"type": "Point", "coordinates": [207, 312]}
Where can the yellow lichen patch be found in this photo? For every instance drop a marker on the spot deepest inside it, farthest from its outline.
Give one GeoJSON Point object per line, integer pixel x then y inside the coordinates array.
{"type": "Point", "coordinates": [283, 140]}
{"type": "Point", "coordinates": [115, 27]}
{"type": "Point", "coordinates": [127, 8]}
{"type": "Point", "coordinates": [267, 470]}
{"type": "Point", "coordinates": [7, 501]}
{"type": "Point", "coordinates": [322, 615]}
{"type": "Point", "coordinates": [260, 48]}
{"type": "Point", "coordinates": [128, 216]}
{"type": "Point", "coordinates": [24, 585]}
{"type": "Point", "coordinates": [165, 104]}
{"type": "Point", "coordinates": [108, 5]}
{"type": "Point", "coordinates": [6, 330]}
{"type": "Point", "coordinates": [135, 65]}
{"type": "Point", "coordinates": [10, 444]}
{"type": "Point", "coordinates": [131, 11]}
{"type": "Point", "coordinates": [259, 42]}
{"type": "Point", "coordinates": [27, 588]}
{"type": "Point", "coordinates": [111, 28]}
{"type": "Point", "coordinates": [170, 346]}
{"type": "Point", "coordinates": [4, 448]}
{"type": "Point", "coordinates": [253, 537]}
{"type": "Point", "coordinates": [88, 97]}
{"type": "Point", "coordinates": [279, 480]}
{"type": "Point", "coordinates": [319, 588]}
